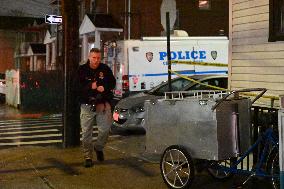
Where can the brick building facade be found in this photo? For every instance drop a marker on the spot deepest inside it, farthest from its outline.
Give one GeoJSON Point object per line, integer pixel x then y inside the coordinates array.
{"type": "Point", "coordinates": [145, 18]}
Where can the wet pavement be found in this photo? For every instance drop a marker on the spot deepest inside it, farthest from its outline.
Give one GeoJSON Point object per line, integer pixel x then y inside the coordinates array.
{"type": "Point", "coordinates": [126, 166]}
{"type": "Point", "coordinates": [10, 112]}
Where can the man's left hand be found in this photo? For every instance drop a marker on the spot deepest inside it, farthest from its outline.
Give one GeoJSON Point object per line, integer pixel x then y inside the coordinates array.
{"type": "Point", "coordinates": [100, 89]}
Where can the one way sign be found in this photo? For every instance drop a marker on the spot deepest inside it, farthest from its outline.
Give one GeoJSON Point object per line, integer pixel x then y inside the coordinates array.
{"type": "Point", "coordinates": [53, 19]}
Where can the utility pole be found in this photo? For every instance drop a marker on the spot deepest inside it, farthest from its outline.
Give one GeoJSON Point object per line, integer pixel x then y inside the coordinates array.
{"type": "Point", "coordinates": [169, 51]}
{"type": "Point", "coordinates": [87, 6]}
{"type": "Point", "coordinates": [71, 117]}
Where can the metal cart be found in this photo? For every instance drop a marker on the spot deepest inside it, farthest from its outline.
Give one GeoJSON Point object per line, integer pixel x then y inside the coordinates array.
{"type": "Point", "coordinates": [206, 129]}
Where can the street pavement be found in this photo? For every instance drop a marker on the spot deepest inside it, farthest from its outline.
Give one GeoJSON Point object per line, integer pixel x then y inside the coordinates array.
{"type": "Point", "coordinates": [29, 131]}
{"type": "Point", "coordinates": [126, 166]}
{"type": "Point", "coordinates": [19, 128]}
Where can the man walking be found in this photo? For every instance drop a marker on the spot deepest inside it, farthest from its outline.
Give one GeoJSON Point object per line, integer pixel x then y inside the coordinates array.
{"type": "Point", "coordinates": [96, 82]}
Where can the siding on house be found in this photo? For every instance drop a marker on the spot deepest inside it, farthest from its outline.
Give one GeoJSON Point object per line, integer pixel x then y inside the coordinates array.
{"type": "Point", "coordinates": [255, 62]}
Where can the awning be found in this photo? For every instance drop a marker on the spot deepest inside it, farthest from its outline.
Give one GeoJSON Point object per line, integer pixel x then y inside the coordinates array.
{"type": "Point", "coordinates": [99, 22]}
{"type": "Point", "coordinates": [37, 49]}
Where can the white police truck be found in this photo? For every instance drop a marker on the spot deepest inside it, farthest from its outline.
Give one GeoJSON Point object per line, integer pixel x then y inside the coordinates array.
{"type": "Point", "coordinates": [142, 64]}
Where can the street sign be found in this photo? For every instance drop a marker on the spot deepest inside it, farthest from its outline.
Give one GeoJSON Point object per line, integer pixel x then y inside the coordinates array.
{"type": "Point", "coordinates": [53, 19]}
{"type": "Point", "coordinates": [168, 6]}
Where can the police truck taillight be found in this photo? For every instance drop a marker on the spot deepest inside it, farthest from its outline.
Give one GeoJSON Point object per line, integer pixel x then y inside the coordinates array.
{"type": "Point", "coordinates": [125, 82]}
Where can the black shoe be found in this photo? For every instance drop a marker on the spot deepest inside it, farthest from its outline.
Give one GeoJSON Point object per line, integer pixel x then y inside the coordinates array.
{"type": "Point", "coordinates": [88, 163]}
{"type": "Point", "coordinates": [100, 155]}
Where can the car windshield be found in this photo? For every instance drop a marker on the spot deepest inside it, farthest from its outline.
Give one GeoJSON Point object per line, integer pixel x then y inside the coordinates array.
{"type": "Point", "coordinates": [181, 84]}
{"type": "Point", "coordinates": [177, 85]}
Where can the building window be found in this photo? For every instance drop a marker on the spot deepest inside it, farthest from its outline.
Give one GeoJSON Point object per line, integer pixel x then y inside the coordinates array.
{"type": "Point", "coordinates": [276, 20]}
{"type": "Point", "coordinates": [204, 4]}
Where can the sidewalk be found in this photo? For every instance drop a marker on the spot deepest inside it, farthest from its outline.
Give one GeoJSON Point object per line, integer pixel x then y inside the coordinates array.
{"type": "Point", "coordinates": [34, 167]}
{"type": "Point", "coordinates": [55, 168]}
{"type": "Point", "coordinates": [51, 167]}
{"type": "Point", "coordinates": [9, 112]}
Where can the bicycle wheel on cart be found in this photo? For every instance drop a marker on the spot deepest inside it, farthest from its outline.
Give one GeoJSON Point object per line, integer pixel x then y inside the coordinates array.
{"type": "Point", "coordinates": [273, 168]}
{"type": "Point", "coordinates": [177, 167]}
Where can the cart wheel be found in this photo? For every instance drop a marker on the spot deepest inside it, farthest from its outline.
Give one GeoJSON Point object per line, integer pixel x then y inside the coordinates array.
{"type": "Point", "coordinates": [273, 168]}
{"type": "Point", "coordinates": [215, 169]}
{"type": "Point", "coordinates": [177, 167]}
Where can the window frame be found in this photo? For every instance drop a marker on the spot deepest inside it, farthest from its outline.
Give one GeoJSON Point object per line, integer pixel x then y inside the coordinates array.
{"type": "Point", "coordinates": [275, 21]}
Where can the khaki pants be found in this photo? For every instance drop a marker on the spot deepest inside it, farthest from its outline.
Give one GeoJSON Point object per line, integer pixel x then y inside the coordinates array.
{"type": "Point", "coordinates": [104, 120]}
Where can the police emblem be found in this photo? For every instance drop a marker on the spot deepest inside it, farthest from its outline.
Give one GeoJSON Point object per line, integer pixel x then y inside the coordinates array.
{"type": "Point", "coordinates": [101, 75]}
{"type": "Point", "coordinates": [135, 80]}
{"type": "Point", "coordinates": [149, 56]}
{"type": "Point", "coordinates": [214, 54]}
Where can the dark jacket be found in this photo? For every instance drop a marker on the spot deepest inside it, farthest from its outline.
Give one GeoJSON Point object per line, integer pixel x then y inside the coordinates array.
{"type": "Point", "coordinates": [104, 77]}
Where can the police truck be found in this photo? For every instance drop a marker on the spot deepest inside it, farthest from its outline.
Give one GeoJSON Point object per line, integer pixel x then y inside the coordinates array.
{"type": "Point", "coordinates": [140, 65]}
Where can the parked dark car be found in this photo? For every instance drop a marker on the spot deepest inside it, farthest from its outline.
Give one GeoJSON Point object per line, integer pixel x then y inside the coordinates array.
{"type": "Point", "coordinates": [129, 112]}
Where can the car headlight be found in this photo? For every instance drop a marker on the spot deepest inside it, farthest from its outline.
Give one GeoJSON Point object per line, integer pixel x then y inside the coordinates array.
{"type": "Point", "coordinates": [123, 110]}
{"type": "Point", "coordinates": [120, 110]}
{"type": "Point", "coordinates": [138, 109]}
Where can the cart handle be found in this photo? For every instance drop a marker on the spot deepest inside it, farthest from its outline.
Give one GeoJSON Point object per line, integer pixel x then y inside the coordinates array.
{"type": "Point", "coordinates": [236, 93]}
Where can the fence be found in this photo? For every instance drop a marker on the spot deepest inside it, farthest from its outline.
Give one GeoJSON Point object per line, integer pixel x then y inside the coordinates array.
{"type": "Point", "coordinates": [262, 118]}
{"type": "Point", "coordinates": [12, 88]}
{"type": "Point", "coordinates": [42, 90]}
